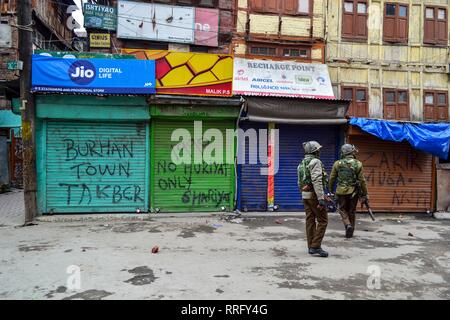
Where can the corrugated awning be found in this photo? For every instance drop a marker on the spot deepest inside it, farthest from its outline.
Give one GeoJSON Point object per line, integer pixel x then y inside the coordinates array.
{"type": "Point", "coordinates": [301, 111]}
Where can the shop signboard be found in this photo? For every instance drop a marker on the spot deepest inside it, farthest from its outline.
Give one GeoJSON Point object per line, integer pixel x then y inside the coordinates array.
{"type": "Point", "coordinates": [281, 79]}
{"type": "Point", "coordinates": [92, 76]}
{"type": "Point", "coordinates": [190, 73]}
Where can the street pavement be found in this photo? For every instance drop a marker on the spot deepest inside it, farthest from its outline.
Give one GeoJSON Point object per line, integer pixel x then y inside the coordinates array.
{"type": "Point", "coordinates": [12, 210]}
{"type": "Point", "coordinates": [252, 257]}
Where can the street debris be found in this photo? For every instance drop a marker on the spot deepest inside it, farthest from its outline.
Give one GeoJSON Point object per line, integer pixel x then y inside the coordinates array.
{"type": "Point", "coordinates": [278, 221]}
{"type": "Point", "coordinates": [410, 234]}
{"type": "Point", "coordinates": [155, 249]}
{"type": "Point", "coordinates": [217, 226]}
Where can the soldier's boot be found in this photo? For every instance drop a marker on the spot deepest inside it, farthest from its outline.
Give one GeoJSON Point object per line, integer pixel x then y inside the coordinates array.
{"type": "Point", "coordinates": [322, 253]}
{"type": "Point", "coordinates": [349, 231]}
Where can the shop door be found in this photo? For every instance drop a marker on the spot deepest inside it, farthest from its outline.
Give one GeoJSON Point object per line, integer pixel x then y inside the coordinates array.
{"type": "Point", "coordinates": [252, 184]}
{"type": "Point", "coordinates": [291, 137]}
{"type": "Point", "coordinates": [188, 187]}
{"type": "Point", "coordinates": [399, 178]}
{"type": "Point", "coordinates": [96, 167]}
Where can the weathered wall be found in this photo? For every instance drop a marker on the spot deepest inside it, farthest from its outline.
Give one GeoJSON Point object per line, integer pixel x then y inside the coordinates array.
{"type": "Point", "coordinates": [277, 29]}
{"type": "Point", "coordinates": [376, 65]}
{"type": "Point", "coordinates": [443, 188]}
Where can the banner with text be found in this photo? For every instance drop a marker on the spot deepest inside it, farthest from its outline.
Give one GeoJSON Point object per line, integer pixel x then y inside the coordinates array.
{"type": "Point", "coordinates": [190, 73]}
{"type": "Point", "coordinates": [92, 76]}
{"type": "Point", "coordinates": [99, 17]}
{"type": "Point", "coordinates": [281, 79]}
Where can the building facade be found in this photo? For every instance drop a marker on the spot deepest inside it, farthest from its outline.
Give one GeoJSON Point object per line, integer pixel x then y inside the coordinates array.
{"type": "Point", "coordinates": [391, 59]}
{"type": "Point", "coordinates": [280, 30]}
{"type": "Point", "coordinates": [51, 31]}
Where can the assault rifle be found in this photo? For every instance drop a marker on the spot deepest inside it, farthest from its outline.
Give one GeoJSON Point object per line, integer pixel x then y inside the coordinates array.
{"type": "Point", "coordinates": [364, 200]}
{"type": "Point", "coordinates": [369, 210]}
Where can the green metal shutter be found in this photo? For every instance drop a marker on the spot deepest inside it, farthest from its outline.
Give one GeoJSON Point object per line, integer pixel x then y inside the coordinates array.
{"type": "Point", "coordinates": [96, 167]}
{"type": "Point", "coordinates": [189, 187]}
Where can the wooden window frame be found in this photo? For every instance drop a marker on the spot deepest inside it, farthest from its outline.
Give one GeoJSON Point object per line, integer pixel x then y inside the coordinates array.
{"type": "Point", "coordinates": [396, 40]}
{"type": "Point", "coordinates": [435, 40]}
{"type": "Point", "coordinates": [352, 111]}
{"type": "Point", "coordinates": [396, 104]}
{"type": "Point", "coordinates": [281, 9]}
{"type": "Point", "coordinates": [279, 51]}
{"type": "Point", "coordinates": [262, 46]}
{"type": "Point", "coordinates": [435, 105]}
{"type": "Point", "coordinates": [353, 37]}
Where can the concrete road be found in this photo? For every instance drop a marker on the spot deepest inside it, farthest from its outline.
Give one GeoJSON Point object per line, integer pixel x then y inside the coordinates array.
{"type": "Point", "coordinates": [208, 258]}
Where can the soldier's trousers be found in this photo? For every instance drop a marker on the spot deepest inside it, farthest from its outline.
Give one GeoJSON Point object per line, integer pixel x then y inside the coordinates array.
{"type": "Point", "coordinates": [347, 205]}
{"type": "Point", "coordinates": [316, 223]}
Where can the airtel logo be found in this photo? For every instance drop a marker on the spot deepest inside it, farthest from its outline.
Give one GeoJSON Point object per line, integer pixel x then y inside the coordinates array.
{"type": "Point", "coordinates": [82, 72]}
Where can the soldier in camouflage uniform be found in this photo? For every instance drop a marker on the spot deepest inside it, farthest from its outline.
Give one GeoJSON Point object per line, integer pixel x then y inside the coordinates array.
{"type": "Point", "coordinates": [312, 181]}
{"type": "Point", "coordinates": [351, 185]}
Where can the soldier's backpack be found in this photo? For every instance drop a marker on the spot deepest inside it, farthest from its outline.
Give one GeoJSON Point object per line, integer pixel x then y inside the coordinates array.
{"type": "Point", "coordinates": [347, 169]}
{"type": "Point", "coordinates": [305, 181]}
{"type": "Point", "coordinates": [304, 174]}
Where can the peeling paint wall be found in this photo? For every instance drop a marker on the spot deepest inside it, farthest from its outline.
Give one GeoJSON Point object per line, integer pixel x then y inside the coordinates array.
{"type": "Point", "coordinates": [377, 65]}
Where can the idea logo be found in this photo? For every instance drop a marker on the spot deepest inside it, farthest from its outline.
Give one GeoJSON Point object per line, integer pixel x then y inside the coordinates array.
{"type": "Point", "coordinates": [82, 72]}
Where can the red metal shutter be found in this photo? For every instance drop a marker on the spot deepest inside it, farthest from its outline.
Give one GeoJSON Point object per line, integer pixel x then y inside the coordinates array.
{"type": "Point", "coordinates": [399, 178]}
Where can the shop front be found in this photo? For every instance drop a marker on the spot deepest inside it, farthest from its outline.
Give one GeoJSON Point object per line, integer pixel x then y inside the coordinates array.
{"type": "Point", "coordinates": [399, 177]}
{"type": "Point", "coordinates": [295, 121]}
{"type": "Point", "coordinates": [92, 154]}
{"type": "Point", "coordinates": [192, 155]}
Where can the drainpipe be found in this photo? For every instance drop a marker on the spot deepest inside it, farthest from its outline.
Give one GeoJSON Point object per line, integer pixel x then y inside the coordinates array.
{"type": "Point", "coordinates": [243, 106]}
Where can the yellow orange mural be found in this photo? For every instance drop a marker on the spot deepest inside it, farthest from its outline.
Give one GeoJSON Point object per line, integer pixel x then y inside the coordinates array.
{"type": "Point", "coordinates": [190, 73]}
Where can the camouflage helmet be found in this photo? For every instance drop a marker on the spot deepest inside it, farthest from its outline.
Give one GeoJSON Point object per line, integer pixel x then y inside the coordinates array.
{"type": "Point", "coordinates": [347, 149]}
{"type": "Point", "coordinates": [311, 147]}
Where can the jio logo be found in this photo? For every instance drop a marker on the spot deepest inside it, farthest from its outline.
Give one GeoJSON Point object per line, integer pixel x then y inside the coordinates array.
{"type": "Point", "coordinates": [82, 72]}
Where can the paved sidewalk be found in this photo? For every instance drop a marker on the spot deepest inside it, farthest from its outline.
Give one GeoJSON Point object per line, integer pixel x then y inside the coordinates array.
{"type": "Point", "coordinates": [12, 209]}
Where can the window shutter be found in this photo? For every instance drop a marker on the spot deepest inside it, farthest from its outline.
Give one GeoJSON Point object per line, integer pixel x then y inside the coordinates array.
{"type": "Point", "coordinates": [402, 28]}
{"type": "Point", "coordinates": [290, 7]}
{"type": "Point", "coordinates": [271, 6]}
{"type": "Point", "coordinates": [429, 27]}
{"type": "Point", "coordinates": [257, 5]}
{"type": "Point", "coordinates": [389, 28]}
{"type": "Point", "coordinates": [361, 25]}
{"type": "Point", "coordinates": [348, 19]}
{"type": "Point", "coordinates": [442, 27]}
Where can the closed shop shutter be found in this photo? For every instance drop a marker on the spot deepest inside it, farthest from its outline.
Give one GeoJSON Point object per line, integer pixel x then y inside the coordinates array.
{"type": "Point", "coordinates": [399, 178]}
{"type": "Point", "coordinates": [287, 195]}
{"type": "Point", "coordinates": [252, 184]}
{"type": "Point", "coordinates": [189, 187]}
{"type": "Point", "coordinates": [96, 167]}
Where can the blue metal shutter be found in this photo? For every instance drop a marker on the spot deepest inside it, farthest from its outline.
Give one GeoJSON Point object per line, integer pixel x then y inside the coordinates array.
{"type": "Point", "coordinates": [287, 195]}
{"type": "Point", "coordinates": [96, 167]}
{"type": "Point", "coordinates": [252, 186]}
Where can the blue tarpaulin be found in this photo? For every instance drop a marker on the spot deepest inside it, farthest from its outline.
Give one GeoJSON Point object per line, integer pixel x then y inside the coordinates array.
{"type": "Point", "coordinates": [432, 138]}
